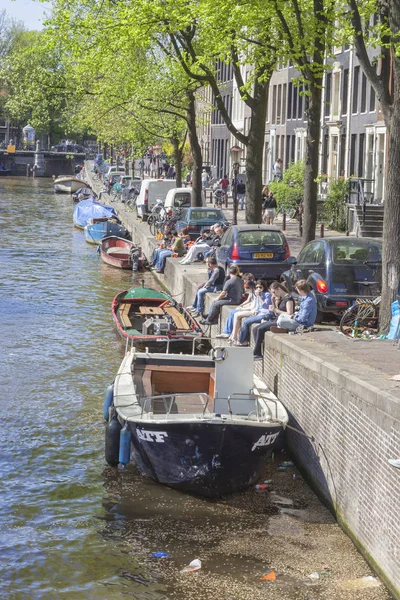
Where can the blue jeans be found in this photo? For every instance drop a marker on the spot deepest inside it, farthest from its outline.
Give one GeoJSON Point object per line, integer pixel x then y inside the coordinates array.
{"type": "Point", "coordinates": [229, 322]}
{"type": "Point", "coordinates": [198, 302]}
{"type": "Point", "coordinates": [162, 257]}
{"type": "Point", "coordinates": [240, 198]}
{"type": "Point", "coordinates": [244, 333]}
{"type": "Point", "coordinates": [155, 255]}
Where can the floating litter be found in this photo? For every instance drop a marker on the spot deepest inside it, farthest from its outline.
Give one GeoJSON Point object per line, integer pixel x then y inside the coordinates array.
{"type": "Point", "coordinates": [269, 577]}
{"type": "Point", "coordinates": [192, 567]}
{"type": "Point", "coordinates": [159, 555]}
{"type": "Point", "coordinates": [362, 583]}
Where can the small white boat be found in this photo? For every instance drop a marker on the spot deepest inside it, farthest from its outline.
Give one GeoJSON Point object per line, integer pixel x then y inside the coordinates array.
{"type": "Point", "coordinates": [68, 184]}
{"type": "Point", "coordinates": [199, 423]}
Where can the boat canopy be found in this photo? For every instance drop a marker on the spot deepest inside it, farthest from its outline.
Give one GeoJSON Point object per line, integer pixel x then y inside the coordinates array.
{"type": "Point", "coordinates": [141, 291]}
{"type": "Point", "coordinates": [90, 209]}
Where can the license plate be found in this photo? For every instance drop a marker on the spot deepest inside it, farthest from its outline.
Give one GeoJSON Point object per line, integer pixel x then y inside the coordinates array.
{"type": "Point", "coordinates": [263, 255]}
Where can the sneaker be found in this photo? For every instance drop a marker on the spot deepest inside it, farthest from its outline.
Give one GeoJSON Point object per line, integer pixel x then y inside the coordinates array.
{"type": "Point", "coordinates": [275, 329]}
{"type": "Point", "coordinates": [222, 336]}
{"type": "Point", "coordinates": [258, 357]}
{"type": "Point", "coordinates": [395, 462]}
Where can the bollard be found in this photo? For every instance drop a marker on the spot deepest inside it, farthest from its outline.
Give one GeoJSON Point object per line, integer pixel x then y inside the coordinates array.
{"type": "Point", "coordinates": [322, 230]}
{"type": "Point", "coordinates": [284, 222]}
{"type": "Point", "coordinates": [28, 168]}
{"type": "Point", "coordinates": [347, 233]}
{"type": "Point", "coordinates": [301, 226]}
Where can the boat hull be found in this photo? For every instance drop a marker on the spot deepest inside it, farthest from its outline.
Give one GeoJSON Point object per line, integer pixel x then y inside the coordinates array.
{"type": "Point", "coordinates": [67, 185]}
{"type": "Point", "coordinates": [208, 458]}
{"type": "Point", "coordinates": [96, 232]}
{"type": "Point", "coordinates": [116, 252]}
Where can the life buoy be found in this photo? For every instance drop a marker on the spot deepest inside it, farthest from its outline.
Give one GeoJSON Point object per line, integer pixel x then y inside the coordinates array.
{"type": "Point", "coordinates": [218, 354]}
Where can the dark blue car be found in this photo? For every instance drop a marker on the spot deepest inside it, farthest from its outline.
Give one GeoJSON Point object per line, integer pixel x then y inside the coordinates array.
{"type": "Point", "coordinates": [258, 249]}
{"type": "Point", "coordinates": [339, 270]}
{"type": "Point", "coordinates": [195, 219]}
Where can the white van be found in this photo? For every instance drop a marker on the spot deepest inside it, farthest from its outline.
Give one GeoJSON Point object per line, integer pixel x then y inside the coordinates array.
{"type": "Point", "coordinates": [179, 197]}
{"type": "Point", "coordinates": [150, 191]}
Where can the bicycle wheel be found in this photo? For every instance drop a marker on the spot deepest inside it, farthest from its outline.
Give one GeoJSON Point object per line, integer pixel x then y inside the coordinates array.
{"type": "Point", "coordinates": [290, 213]}
{"type": "Point", "coordinates": [364, 314]}
{"type": "Point", "coordinates": [151, 222]}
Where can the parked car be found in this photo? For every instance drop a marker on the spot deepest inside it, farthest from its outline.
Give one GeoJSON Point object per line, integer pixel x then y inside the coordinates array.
{"type": "Point", "coordinates": [195, 219]}
{"type": "Point", "coordinates": [339, 270]}
{"type": "Point", "coordinates": [258, 249]}
{"type": "Point", "coordinates": [152, 190]}
{"type": "Point", "coordinates": [178, 198]}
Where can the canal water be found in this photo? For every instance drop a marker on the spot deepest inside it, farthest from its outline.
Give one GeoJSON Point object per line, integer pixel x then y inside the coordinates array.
{"type": "Point", "coordinates": [73, 528]}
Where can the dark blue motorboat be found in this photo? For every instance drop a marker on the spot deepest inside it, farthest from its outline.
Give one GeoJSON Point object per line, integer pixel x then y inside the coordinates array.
{"type": "Point", "coordinates": [193, 422]}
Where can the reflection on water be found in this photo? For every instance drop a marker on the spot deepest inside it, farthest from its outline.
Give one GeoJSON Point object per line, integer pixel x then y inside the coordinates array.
{"type": "Point", "coordinates": [58, 352]}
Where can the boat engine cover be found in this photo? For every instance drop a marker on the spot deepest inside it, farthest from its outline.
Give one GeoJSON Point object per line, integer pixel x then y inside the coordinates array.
{"type": "Point", "coordinates": [154, 326]}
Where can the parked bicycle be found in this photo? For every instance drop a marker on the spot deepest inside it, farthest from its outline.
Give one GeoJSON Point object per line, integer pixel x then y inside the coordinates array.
{"type": "Point", "coordinates": [363, 316]}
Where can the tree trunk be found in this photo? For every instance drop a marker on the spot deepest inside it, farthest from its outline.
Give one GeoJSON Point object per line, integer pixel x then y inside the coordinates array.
{"type": "Point", "coordinates": [196, 151]}
{"type": "Point", "coordinates": [391, 219]}
{"type": "Point", "coordinates": [178, 161]}
{"type": "Point", "coordinates": [255, 149]}
{"type": "Point", "coordinates": [311, 162]}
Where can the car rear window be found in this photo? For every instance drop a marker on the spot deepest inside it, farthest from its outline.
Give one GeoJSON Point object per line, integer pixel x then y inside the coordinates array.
{"type": "Point", "coordinates": [260, 238]}
{"type": "Point", "coordinates": [206, 215]}
{"type": "Point", "coordinates": [352, 252]}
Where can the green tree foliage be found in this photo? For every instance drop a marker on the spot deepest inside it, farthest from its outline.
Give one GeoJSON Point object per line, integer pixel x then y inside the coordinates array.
{"type": "Point", "coordinates": [290, 191]}
{"type": "Point", "coordinates": [335, 209]}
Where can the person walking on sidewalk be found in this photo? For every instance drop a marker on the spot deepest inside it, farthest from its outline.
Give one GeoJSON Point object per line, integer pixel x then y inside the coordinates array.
{"type": "Point", "coordinates": [241, 193]}
{"type": "Point", "coordinates": [232, 293]}
{"type": "Point", "coordinates": [214, 284]}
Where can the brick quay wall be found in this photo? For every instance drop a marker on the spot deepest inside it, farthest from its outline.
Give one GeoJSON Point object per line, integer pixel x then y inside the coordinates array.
{"type": "Point", "coordinates": [342, 397]}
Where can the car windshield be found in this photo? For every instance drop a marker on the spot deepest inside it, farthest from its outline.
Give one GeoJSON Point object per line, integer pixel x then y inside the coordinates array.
{"type": "Point", "coordinates": [352, 252]}
{"type": "Point", "coordinates": [207, 215]}
{"type": "Point", "coordinates": [260, 238]}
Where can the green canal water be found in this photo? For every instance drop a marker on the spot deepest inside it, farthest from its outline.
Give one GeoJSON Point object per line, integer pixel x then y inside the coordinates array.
{"type": "Point", "coordinates": [72, 528]}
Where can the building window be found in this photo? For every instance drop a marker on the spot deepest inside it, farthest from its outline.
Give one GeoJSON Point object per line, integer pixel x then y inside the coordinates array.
{"type": "Point", "coordinates": [284, 103]}
{"type": "Point", "coordinates": [342, 154]}
{"type": "Point", "coordinates": [295, 95]}
{"type": "Point", "coordinates": [356, 77]}
{"type": "Point", "coordinates": [328, 85]}
{"type": "Point", "coordinates": [335, 95]}
{"type": "Point", "coordinates": [372, 100]}
{"type": "Point", "coordinates": [363, 93]}
{"type": "Point", "coordinates": [345, 91]}
{"type": "Point", "coordinates": [293, 149]}
{"type": "Point", "coordinates": [273, 120]}
{"type": "Point", "coordinates": [325, 153]}
{"type": "Point", "coordinates": [361, 157]}
{"type": "Point", "coordinates": [287, 155]}
{"type": "Point", "coordinates": [279, 105]}
{"type": "Point", "coordinates": [353, 154]}
{"type": "Point", "coordinates": [289, 101]}
{"type": "Point", "coordinates": [300, 107]}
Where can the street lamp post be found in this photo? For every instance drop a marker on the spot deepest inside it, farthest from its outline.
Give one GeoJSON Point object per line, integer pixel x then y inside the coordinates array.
{"type": "Point", "coordinates": [235, 168]}
{"type": "Point", "coordinates": [235, 153]}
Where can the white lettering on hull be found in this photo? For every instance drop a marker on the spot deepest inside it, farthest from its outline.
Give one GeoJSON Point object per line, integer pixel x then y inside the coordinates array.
{"type": "Point", "coordinates": [151, 436]}
{"type": "Point", "coordinates": [265, 440]}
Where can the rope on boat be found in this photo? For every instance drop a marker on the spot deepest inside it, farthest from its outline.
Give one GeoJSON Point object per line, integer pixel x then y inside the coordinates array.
{"type": "Point", "coordinates": [310, 437]}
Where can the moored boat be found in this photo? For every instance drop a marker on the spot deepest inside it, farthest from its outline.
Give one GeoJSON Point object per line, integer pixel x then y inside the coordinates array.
{"type": "Point", "coordinates": [97, 229]}
{"type": "Point", "coordinates": [152, 319]}
{"type": "Point", "coordinates": [82, 194]}
{"type": "Point", "coordinates": [90, 209]}
{"type": "Point", "coordinates": [197, 423]}
{"type": "Point", "coordinates": [121, 253]}
{"type": "Point", "coordinates": [67, 184]}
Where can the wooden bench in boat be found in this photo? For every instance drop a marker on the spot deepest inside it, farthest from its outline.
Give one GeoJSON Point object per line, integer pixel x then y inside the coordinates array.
{"type": "Point", "coordinates": [124, 315]}
{"type": "Point", "coordinates": [150, 310]}
{"type": "Point", "coordinates": [179, 319]}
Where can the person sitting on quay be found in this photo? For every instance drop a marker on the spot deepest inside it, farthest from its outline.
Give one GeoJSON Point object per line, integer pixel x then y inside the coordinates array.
{"type": "Point", "coordinates": [167, 240]}
{"type": "Point", "coordinates": [261, 311]}
{"type": "Point", "coordinates": [306, 315]}
{"type": "Point", "coordinates": [203, 244]}
{"type": "Point", "coordinates": [249, 284]}
{"type": "Point", "coordinates": [282, 304]}
{"type": "Point", "coordinates": [232, 293]}
{"type": "Point", "coordinates": [214, 283]}
{"type": "Point", "coordinates": [177, 248]}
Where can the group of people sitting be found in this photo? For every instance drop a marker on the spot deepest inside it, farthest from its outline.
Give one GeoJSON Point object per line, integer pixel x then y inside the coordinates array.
{"type": "Point", "coordinates": [180, 245]}
{"type": "Point", "coordinates": [267, 306]}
